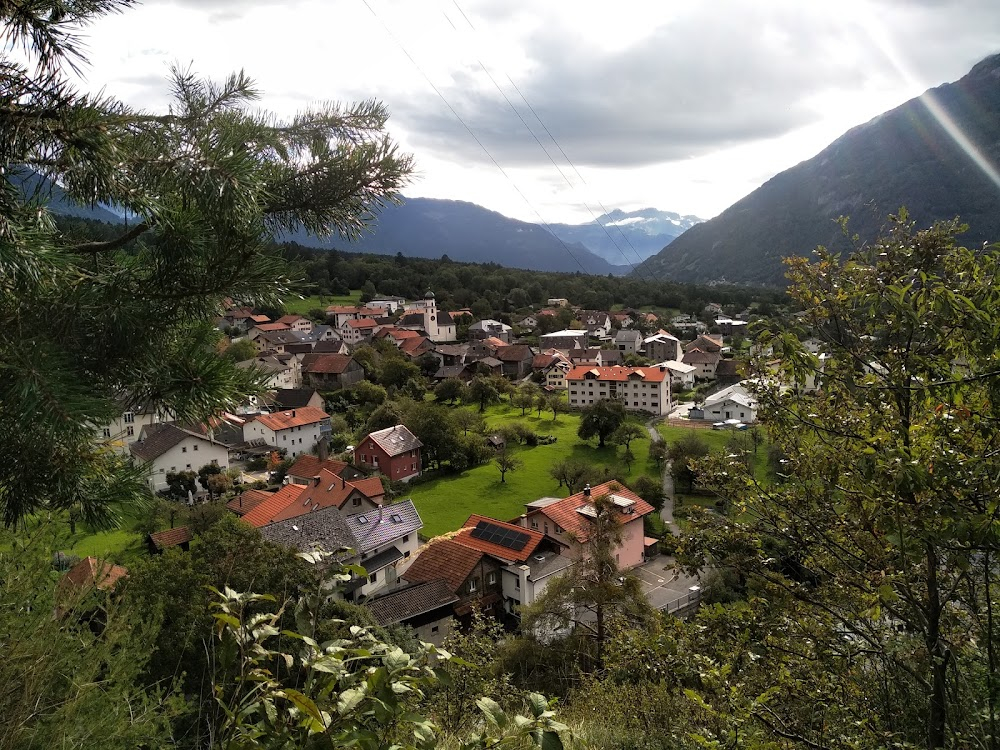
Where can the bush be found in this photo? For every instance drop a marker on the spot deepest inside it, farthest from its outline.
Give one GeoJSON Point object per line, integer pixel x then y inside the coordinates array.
{"type": "Point", "coordinates": [531, 439]}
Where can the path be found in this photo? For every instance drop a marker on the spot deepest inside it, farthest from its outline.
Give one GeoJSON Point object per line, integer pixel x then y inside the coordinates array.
{"type": "Point", "coordinates": [667, 511]}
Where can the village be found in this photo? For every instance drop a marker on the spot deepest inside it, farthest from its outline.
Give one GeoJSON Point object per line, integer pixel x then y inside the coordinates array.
{"type": "Point", "coordinates": [356, 500]}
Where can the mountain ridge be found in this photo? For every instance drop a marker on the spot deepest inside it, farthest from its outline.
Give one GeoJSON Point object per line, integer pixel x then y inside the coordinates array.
{"type": "Point", "coordinates": [902, 157]}
{"type": "Point", "coordinates": [627, 237]}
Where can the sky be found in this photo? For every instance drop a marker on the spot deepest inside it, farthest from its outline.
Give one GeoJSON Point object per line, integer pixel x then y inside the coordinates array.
{"type": "Point", "coordinates": [555, 111]}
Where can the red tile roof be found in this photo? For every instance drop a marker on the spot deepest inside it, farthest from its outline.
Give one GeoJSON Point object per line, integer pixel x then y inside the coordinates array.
{"type": "Point", "coordinates": [514, 353]}
{"type": "Point", "coordinates": [247, 501]}
{"type": "Point", "coordinates": [619, 374]}
{"type": "Point", "coordinates": [272, 327]}
{"type": "Point", "coordinates": [265, 512]}
{"type": "Point", "coordinates": [343, 309]}
{"type": "Point", "coordinates": [465, 538]}
{"type": "Point", "coordinates": [494, 342]}
{"type": "Point", "coordinates": [290, 318]}
{"type": "Point", "coordinates": [412, 345]}
{"type": "Point", "coordinates": [171, 537]}
{"type": "Point", "coordinates": [90, 572]}
{"type": "Point", "coordinates": [363, 323]}
{"type": "Point", "coordinates": [564, 513]}
{"type": "Point", "coordinates": [330, 492]}
{"type": "Point", "coordinates": [260, 319]}
{"type": "Point", "coordinates": [282, 420]}
{"type": "Point", "coordinates": [444, 559]}
{"type": "Point", "coordinates": [308, 465]}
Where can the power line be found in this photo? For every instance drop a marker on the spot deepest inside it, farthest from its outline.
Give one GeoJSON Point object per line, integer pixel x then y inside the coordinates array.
{"type": "Point", "coordinates": [470, 132]}
{"type": "Point", "coordinates": [548, 155]}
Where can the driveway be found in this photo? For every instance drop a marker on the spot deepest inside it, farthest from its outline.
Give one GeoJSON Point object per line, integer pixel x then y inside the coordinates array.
{"type": "Point", "coordinates": [661, 584]}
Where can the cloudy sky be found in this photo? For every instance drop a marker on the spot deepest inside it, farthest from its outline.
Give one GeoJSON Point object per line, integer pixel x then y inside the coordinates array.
{"type": "Point", "coordinates": [547, 111]}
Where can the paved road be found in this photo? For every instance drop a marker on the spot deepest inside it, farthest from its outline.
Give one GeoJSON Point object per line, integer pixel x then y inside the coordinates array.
{"type": "Point", "coordinates": [662, 584]}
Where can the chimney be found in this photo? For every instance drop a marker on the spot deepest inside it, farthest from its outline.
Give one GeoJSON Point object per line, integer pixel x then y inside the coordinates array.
{"type": "Point", "coordinates": [522, 521]}
{"type": "Point", "coordinates": [293, 412]}
{"type": "Point", "coordinates": [586, 491]}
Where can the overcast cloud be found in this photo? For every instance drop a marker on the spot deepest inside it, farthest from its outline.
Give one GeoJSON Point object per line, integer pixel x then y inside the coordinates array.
{"type": "Point", "coordinates": [686, 107]}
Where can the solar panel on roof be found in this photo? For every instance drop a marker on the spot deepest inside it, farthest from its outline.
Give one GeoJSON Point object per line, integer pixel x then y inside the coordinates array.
{"type": "Point", "coordinates": [504, 537]}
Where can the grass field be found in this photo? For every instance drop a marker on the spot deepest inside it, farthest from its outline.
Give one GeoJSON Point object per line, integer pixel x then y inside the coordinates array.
{"type": "Point", "coordinates": [121, 545]}
{"type": "Point", "coordinates": [304, 305]}
{"type": "Point", "coordinates": [445, 503]}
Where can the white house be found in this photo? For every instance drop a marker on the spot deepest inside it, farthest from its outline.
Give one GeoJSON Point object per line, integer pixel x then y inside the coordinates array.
{"type": "Point", "coordinates": [392, 304]}
{"type": "Point", "coordinates": [359, 330]}
{"type": "Point", "coordinates": [297, 431]}
{"type": "Point", "coordinates": [638, 388]}
{"type": "Point", "coordinates": [281, 374]}
{"type": "Point", "coordinates": [125, 430]}
{"type": "Point", "coordinates": [734, 402]}
{"type": "Point", "coordinates": [165, 448]}
{"type": "Point", "coordinates": [681, 375]}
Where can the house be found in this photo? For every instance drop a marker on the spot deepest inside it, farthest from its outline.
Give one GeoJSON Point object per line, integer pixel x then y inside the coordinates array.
{"type": "Point", "coordinates": [557, 302]}
{"type": "Point", "coordinates": [734, 402]}
{"type": "Point", "coordinates": [463, 313]}
{"type": "Point", "coordinates": [260, 328]}
{"type": "Point", "coordinates": [529, 559]}
{"type": "Point", "coordinates": [179, 536]}
{"type": "Point", "coordinates": [611, 357]}
{"type": "Point", "coordinates": [516, 360]}
{"type": "Point", "coordinates": [628, 341]}
{"type": "Point", "coordinates": [295, 431]}
{"type": "Point", "coordinates": [295, 398]}
{"type": "Point", "coordinates": [528, 322]}
{"type": "Point", "coordinates": [638, 388]}
{"type": "Point", "coordinates": [662, 347]}
{"type": "Point", "coordinates": [465, 373]}
{"type": "Point", "coordinates": [165, 448]}
{"type": "Point", "coordinates": [280, 374]}
{"type": "Point", "coordinates": [416, 347]}
{"type": "Point", "coordinates": [553, 366]}
{"type": "Point", "coordinates": [681, 375]}
{"type": "Point", "coordinates": [392, 304]}
{"type": "Point", "coordinates": [331, 372]}
{"type": "Point", "coordinates": [472, 576]}
{"type": "Point", "coordinates": [331, 346]}
{"type": "Point", "coordinates": [555, 378]}
{"type": "Point", "coordinates": [247, 500]}
{"type": "Point", "coordinates": [425, 607]}
{"type": "Point", "coordinates": [394, 451]}
{"type": "Point", "coordinates": [238, 318]}
{"type": "Point", "coordinates": [358, 331]}
{"type": "Point", "coordinates": [705, 343]}
{"type": "Point", "coordinates": [565, 339]}
{"type": "Point", "coordinates": [486, 328]}
{"type": "Point", "coordinates": [258, 319]}
{"type": "Point", "coordinates": [382, 541]}
{"type": "Point", "coordinates": [298, 323]}
{"type": "Point", "coordinates": [705, 362]}
{"type": "Point", "coordinates": [487, 347]}
{"type": "Point", "coordinates": [123, 431]}
{"type": "Point", "coordinates": [727, 372]}
{"type": "Point", "coordinates": [489, 366]}
{"type": "Point", "coordinates": [340, 314]}
{"type": "Point", "coordinates": [597, 323]}
{"type": "Point", "coordinates": [729, 326]}
{"type": "Point", "coordinates": [579, 357]}
{"type": "Point", "coordinates": [307, 466]}
{"type": "Point", "coordinates": [320, 332]}
{"type": "Point", "coordinates": [327, 490]}
{"type": "Point", "coordinates": [622, 320]}
{"type": "Point", "coordinates": [451, 354]}
{"type": "Point", "coordinates": [88, 575]}
{"type": "Point", "coordinates": [276, 341]}
{"type": "Point", "coordinates": [567, 521]}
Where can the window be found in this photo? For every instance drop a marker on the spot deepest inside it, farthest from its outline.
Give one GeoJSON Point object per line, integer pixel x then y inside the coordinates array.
{"type": "Point", "coordinates": [184, 449]}
{"type": "Point", "coordinates": [284, 437]}
{"type": "Point", "coordinates": [128, 417]}
{"type": "Point", "coordinates": [559, 529]}
{"type": "Point", "coordinates": [517, 583]}
{"type": "Point", "coordinates": [546, 527]}
{"type": "Point", "coordinates": [406, 554]}
{"type": "Point", "coordinates": [406, 538]}
{"type": "Point", "coordinates": [491, 579]}
{"type": "Point", "coordinates": [356, 502]}
{"type": "Point", "coordinates": [188, 466]}
{"type": "Point", "coordinates": [413, 466]}
{"type": "Point", "coordinates": [373, 577]}
{"type": "Point", "coordinates": [130, 430]}
{"type": "Point", "coordinates": [196, 446]}
{"type": "Point", "coordinates": [473, 584]}
{"type": "Point", "coordinates": [107, 432]}
{"type": "Point", "coordinates": [534, 524]}
{"type": "Point", "coordinates": [173, 469]}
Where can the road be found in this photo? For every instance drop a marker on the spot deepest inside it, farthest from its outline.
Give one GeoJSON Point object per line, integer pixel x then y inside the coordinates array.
{"type": "Point", "coordinates": [663, 583]}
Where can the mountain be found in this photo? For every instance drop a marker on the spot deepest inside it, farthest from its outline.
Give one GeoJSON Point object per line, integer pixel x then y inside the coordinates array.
{"type": "Point", "coordinates": [430, 228]}
{"type": "Point", "coordinates": [33, 184]}
{"type": "Point", "coordinates": [905, 157]}
{"type": "Point", "coordinates": [627, 237]}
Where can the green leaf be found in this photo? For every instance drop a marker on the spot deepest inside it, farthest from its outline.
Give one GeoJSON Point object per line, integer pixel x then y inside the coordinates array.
{"type": "Point", "coordinates": [349, 700]}
{"type": "Point", "coordinates": [494, 714]}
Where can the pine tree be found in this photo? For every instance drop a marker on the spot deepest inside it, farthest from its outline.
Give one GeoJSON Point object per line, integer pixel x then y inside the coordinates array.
{"type": "Point", "coordinates": [89, 328]}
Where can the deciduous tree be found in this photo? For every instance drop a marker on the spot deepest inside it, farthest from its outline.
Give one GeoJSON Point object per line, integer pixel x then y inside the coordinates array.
{"type": "Point", "coordinates": [601, 419]}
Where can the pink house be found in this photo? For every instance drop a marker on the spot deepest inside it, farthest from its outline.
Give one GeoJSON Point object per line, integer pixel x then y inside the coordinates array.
{"type": "Point", "coordinates": [568, 520]}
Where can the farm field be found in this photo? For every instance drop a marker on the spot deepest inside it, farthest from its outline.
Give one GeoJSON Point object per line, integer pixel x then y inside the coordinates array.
{"type": "Point", "coordinates": [305, 304]}
{"type": "Point", "coordinates": [445, 503]}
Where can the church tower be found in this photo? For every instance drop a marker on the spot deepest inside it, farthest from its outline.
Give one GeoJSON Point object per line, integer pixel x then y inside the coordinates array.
{"type": "Point", "coordinates": [438, 331]}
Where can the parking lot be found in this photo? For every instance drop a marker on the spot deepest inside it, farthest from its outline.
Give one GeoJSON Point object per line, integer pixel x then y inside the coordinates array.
{"type": "Point", "coordinates": [661, 584]}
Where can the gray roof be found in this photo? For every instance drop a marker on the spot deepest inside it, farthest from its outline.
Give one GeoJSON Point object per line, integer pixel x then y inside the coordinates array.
{"type": "Point", "coordinates": [395, 440]}
{"type": "Point", "coordinates": [281, 337]}
{"type": "Point", "coordinates": [450, 371]}
{"type": "Point", "coordinates": [293, 398]}
{"type": "Point", "coordinates": [627, 334]}
{"type": "Point", "coordinates": [318, 332]}
{"type": "Point", "coordinates": [551, 562]}
{"type": "Point", "coordinates": [161, 437]}
{"type": "Point", "coordinates": [490, 325]}
{"type": "Point", "coordinates": [266, 364]}
{"type": "Point", "coordinates": [325, 527]}
{"type": "Point", "coordinates": [542, 502]}
{"type": "Point", "coordinates": [387, 524]}
{"type": "Point", "coordinates": [410, 601]}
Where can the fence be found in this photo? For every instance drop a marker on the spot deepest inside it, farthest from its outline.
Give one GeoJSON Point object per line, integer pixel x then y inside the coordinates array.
{"type": "Point", "coordinates": [689, 600]}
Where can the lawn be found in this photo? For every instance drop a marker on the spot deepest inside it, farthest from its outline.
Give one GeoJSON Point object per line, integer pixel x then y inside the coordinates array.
{"type": "Point", "coordinates": [121, 545]}
{"type": "Point", "coordinates": [446, 502]}
{"type": "Point", "coordinates": [304, 305]}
